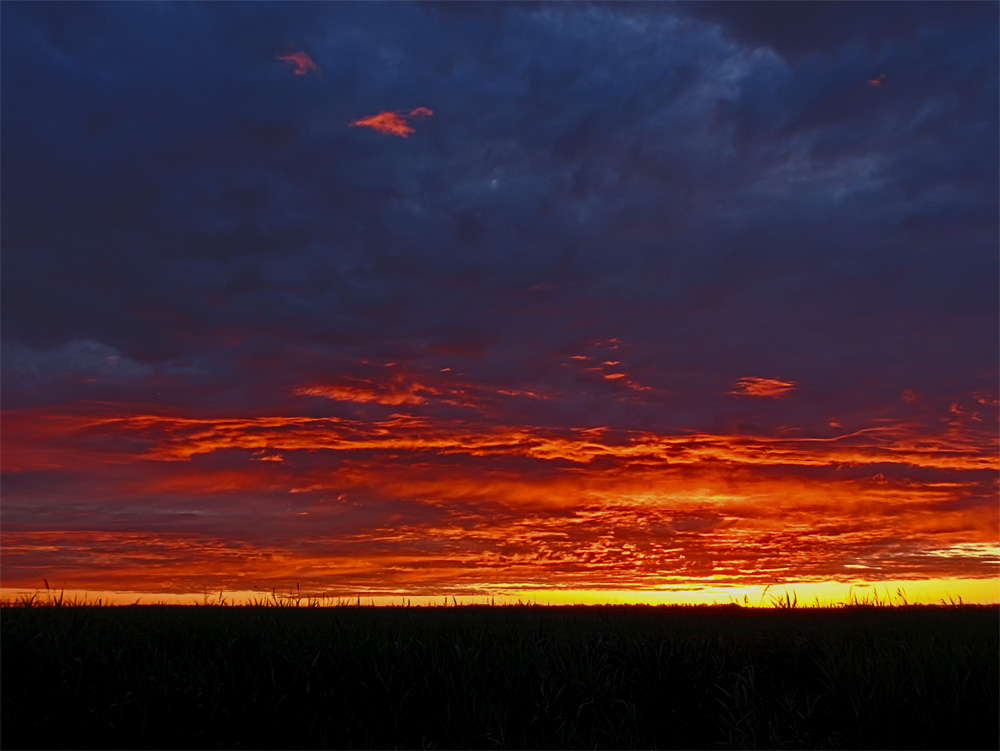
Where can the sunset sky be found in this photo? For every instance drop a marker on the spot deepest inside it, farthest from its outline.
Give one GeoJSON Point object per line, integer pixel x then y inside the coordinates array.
{"type": "Point", "coordinates": [577, 302]}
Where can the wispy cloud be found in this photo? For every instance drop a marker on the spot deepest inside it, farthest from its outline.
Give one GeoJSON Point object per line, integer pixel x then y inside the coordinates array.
{"type": "Point", "coordinates": [301, 62]}
{"type": "Point", "coordinates": [394, 123]}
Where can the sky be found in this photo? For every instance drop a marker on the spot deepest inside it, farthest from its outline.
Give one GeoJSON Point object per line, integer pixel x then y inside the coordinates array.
{"type": "Point", "coordinates": [576, 301]}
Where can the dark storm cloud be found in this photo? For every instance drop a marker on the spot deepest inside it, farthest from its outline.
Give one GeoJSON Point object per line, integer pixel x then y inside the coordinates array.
{"type": "Point", "coordinates": [797, 30]}
{"type": "Point", "coordinates": [650, 175]}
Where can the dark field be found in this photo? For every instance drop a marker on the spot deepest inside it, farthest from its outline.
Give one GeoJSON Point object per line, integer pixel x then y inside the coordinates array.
{"type": "Point", "coordinates": [516, 677]}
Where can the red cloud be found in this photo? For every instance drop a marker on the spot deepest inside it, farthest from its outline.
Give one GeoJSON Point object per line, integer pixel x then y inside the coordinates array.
{"type": "Point", "coordinates": [302, 62]}
{"type": "Point", "coordinates": [507, 503]}
{"type": "Point", "coordinates": [394, 123]}
{"type": "Point", "coordinates": [876, 81]}
{"type": "Point", "coordinates": [753, 386]}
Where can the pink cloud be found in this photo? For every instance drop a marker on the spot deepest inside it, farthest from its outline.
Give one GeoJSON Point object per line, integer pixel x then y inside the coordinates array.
{"type": "Point", "coordinates": [300, 61]}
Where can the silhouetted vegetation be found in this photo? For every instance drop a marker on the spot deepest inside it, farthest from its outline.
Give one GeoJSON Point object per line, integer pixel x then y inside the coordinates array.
{"type": "Point", "coordinates": [515, 677]}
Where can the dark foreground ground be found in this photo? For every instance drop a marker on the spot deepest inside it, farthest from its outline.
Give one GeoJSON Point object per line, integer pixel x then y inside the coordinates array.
{"type": "Point", "coordinates": [516, 677]}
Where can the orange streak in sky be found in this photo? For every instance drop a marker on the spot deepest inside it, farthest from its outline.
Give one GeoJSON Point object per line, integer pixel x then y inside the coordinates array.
{"type": "Point", "coordinates": [753, 386]}
{"type": "Point", "coordinates": [363, 393]}
{"type": "Point", "coordinates": [414, 388]}
{"type": "Point", "coordinates": [30, 437]}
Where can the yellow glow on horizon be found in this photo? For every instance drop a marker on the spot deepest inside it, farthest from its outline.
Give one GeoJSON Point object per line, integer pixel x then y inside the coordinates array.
{"type": "Point", "coordinates": [804, 594]}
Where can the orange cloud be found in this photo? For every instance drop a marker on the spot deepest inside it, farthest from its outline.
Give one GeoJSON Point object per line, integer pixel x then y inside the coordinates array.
{"type": "Point", "coordinates": [393, 123]}
{"type": "Point", "coordinates": [753, 386]}
{"type": "Point", "coordinates": [301, 62]}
